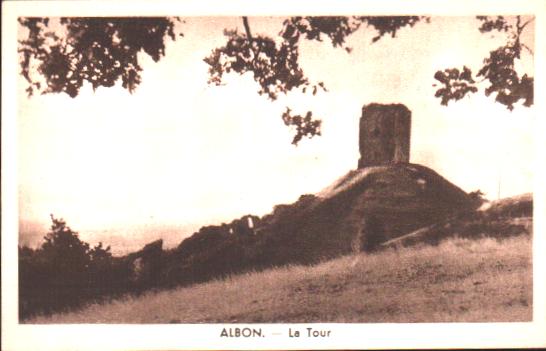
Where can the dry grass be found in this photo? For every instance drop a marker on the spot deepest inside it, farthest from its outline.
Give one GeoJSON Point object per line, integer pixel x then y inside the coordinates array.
{"type": "Point", "coordinates": [458, 281]}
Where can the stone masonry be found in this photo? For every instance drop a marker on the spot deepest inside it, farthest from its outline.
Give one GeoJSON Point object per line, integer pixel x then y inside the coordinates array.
{"type": "Point", "coordinates": [385, 132]}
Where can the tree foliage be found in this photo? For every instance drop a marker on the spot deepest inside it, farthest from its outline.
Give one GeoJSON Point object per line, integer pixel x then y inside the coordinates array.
{"type": "Point", "coordinates": [102, 51]}
{"type": "Point", "coordinates": [60, 56]}
{"type": "Point", "coordinates": [63, 246]}
{"type": "Point", "coordinates": [275, 65]}
{"type": "Point", "coordinates": [275, 68]}
{"type": "Point", "coordinates": [499, 70]}
{"type": "Point", "coordinates": [456, 84]}
{"type": "Point", "coordinates": [97, 50]}
{"type": "Point", "coordinates": [305, 125]}
{"type": "Point", "coordinates": [64, 272]}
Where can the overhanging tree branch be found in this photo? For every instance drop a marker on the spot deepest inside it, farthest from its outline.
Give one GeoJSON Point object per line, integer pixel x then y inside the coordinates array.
{"type": "Point", "coordinates": [247, 28]}
{"type": "Point", "coordinates": [103, 51]}
{"type": "Point", "coordinates": [499, 70]}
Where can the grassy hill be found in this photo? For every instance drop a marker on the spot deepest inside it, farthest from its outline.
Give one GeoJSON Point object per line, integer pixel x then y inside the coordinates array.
{"type": "Point", "coordinates": [458, 280]}
{"type": "Point", "coordinates": [472, 265]}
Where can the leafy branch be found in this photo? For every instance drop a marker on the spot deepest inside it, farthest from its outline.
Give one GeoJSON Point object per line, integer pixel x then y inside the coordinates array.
{"type": "Point", "coordinates": [498, 69]}
{"type": "Point", "coordinates": [95, 50]}
{"type": "Point", "coordinates": [60, 56]}
{"type": "Point", "coordinates": [275, 66]}
{"type": "Point", "coordinates": [304, 125]}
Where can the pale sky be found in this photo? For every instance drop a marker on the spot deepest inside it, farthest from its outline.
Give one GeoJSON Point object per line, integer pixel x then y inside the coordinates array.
{"type": "Point", "coordinates": [181, 153]}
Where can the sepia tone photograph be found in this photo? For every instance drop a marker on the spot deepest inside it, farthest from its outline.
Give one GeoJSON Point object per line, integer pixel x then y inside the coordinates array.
{"type": "Point", "coordinates": [236, 171]}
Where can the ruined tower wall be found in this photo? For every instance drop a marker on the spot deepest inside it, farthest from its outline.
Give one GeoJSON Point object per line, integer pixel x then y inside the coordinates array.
{"type": "Point", "coordinates": [402, 130]}
{"type": "Point", "coordinates": [385, 132]}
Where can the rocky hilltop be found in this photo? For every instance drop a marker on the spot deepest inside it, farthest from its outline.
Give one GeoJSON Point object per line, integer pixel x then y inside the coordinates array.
{"type": "Point", "coordinates": [385, 198]}
{"type": "Point", "coordinates": [386, 202]}
{"type": "Point", "coordinates": [362, 210]}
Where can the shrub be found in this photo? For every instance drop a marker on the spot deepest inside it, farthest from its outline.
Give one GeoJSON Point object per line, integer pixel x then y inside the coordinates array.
{"type": "Point", "coordinates": [64, 272]}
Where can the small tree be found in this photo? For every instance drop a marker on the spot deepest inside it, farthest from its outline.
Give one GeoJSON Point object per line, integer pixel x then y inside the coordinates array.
{"type": "Point", "coordinates": [64, 272]}
{"type": "Point", "coordinates": [101, 271]}
{"type": "Point", "coordinates": [65, 261]}
{"type": "Point", "coordinates": [64, 248]}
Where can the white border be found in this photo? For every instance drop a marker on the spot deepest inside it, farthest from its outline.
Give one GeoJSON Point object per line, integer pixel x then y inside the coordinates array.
{"type": "Point", "coordinates": [345, 336]}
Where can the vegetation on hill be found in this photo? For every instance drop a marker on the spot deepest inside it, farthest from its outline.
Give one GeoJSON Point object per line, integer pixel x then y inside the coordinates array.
{"type": "Point", "coordinates": [66, 273]}
{"type": "Point", "coordinates": [460, 280]}
{"type": "Point", "coordinates": [498, 219]}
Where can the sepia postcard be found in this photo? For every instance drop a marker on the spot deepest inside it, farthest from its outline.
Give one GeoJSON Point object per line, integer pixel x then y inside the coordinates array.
{"type": "Point", "coordinates": [213, 175]}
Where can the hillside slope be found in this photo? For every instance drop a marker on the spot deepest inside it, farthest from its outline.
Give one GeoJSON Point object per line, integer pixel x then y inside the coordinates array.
{"type": "Point", "coordinates": [498, 219]}
{"type": "Point", "coordinates": [460, 280]}
{"type": "Point", "coordinates": [361, 210]}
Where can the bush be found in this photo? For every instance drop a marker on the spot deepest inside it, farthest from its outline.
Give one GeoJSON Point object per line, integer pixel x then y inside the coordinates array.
{"type": "Point", "coordinates": [64, 272]}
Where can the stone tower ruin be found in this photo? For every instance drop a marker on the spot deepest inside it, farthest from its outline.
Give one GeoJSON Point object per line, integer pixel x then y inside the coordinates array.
{"type": "Point", "coordinates": [384, 134]}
